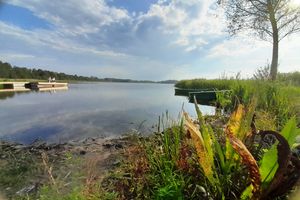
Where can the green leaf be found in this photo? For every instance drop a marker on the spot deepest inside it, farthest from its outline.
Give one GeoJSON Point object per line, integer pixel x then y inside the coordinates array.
{"type": "Point", "coordinates": [290, 131]}
{"type": "Point", "coordinates": [247, 193]}
{"type": "Point", "coordinates": [268, 165]}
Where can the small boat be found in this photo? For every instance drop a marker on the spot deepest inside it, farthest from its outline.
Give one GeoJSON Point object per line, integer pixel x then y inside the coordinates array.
{"type": "Point", "coordinates": [185, 92]}
{"type": "Point", "coordinates": [205, 97]}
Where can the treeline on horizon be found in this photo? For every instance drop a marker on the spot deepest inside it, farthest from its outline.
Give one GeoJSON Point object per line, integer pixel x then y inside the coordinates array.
{"type": "Point", "coordinates": [7, 71]}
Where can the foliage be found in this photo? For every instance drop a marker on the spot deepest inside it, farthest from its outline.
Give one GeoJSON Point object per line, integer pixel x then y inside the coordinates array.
{"type": "Point", "coordinates": [52, 177]}
{"type": "Point", "coordinates": [267, 19]}
{"type": "Point", "coordinates": [191, 160]}
{"type": "Point", "coordinates": [279, 100]}
{"type": "Point", "coordinates": [262, 73]}
{"type": "Point", "coordinates": [220, 84]}
{"type": "Point", "coordinates": [16, 169]}
{"type": "Point", "coordinates": [291, 79]}
{"type": "Point", "coordinates": [9, 72]}
{"type": "Point", "coordinates": [223, 100]}
{"type": "Point", "coordinates": [260, 17]}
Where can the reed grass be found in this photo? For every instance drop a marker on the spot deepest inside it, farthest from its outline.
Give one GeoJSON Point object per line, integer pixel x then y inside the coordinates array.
{"type": "Point", "coordinates": [279, 99]}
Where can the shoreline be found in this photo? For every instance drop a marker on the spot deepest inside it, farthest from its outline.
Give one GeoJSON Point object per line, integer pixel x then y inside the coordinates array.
{"type": "Point", "coordinates": [39, 161]}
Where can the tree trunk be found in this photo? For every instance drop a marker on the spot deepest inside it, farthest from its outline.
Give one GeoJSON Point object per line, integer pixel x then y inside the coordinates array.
{"type": "Point", "coordinates": [274, 64]}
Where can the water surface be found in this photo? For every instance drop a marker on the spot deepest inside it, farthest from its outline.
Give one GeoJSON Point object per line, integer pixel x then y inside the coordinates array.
{"type": "Point", "coordinates": [88, 110]}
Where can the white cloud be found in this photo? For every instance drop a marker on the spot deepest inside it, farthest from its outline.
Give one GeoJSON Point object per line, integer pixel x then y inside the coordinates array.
{"type": "Point", "coordinates": [193, 22]}
{"type": "Point", "coordinates": [91, 37]}
{"type": "Point", "coordinates": [75, 17]}
{"type": "Point", "coordinates": [237, 46]}
{"type": "Point", "coordinates": [9, 56]}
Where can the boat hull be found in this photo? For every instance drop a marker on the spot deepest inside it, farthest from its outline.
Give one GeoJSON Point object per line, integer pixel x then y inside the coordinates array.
{"type": "Point", "coordinates": [202, 96]}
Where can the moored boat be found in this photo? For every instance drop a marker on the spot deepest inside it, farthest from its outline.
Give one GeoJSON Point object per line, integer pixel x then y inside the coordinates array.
{"type": "Point", "coordinates": [205, 97]}
{"type": "Point", "coordinates": [185, 92]}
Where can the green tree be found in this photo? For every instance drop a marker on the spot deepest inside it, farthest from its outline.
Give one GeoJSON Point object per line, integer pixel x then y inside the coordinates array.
{"type": "Point", "coordinates": [270, 20]}
{"type": "Point", "coordinates": [5, 69]}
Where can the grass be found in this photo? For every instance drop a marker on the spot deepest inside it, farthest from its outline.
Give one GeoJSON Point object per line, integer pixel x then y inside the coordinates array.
{"type": "Point", "coordinates": [196, 161]}
{"type": "Point", "coordinates": [279, 99]}
{"type": "Point", "coordinates": [53, 177]}
{"type": "Point", "coordinates": [16, 170]}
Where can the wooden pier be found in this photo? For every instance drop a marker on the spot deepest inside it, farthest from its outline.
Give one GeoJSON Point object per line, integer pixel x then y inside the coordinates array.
{"type": "Point", "coordinates": [44, 85]}
{"type": "Point", "coordinates": [28, 86]}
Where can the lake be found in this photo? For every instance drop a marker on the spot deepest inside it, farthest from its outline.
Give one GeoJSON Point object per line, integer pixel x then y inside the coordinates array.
{"type": "Point", "coordinates": [89, 110]}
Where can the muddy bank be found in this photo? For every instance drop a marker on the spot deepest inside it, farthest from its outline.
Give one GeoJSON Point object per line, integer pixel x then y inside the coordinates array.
{"type": "Point", "coordinates": [24, 169]}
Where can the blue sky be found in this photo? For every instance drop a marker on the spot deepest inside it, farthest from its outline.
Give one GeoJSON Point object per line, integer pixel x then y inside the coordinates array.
{"type": "Point", "coordinates": [137, 39]}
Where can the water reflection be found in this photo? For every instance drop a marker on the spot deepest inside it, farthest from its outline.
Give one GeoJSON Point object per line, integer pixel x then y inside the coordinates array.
{"type": "Point", "coordinates": [87, 110]}
{"type": "Point", "coordinates": [5, 95]}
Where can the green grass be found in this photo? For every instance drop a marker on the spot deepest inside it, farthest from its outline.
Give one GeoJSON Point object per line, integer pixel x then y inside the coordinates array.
{"type": "Point", "coordinates": [72, 176]}
{"type": "Point", "coordinates": [279, 99]}
{"type": "Point", "coordinates": [16, 170]}
{"type": "Point", "coordinates": [168, 165]}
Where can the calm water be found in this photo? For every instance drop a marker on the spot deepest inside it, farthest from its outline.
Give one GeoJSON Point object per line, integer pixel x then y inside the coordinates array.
{"type": "Point", "coordinates": [87, 110]}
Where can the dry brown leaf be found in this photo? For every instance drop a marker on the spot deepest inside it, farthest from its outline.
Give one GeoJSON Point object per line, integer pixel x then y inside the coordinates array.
{"type": "Point", "coordinates": [248, 160]}
{"type": "Point", "coordinates": [205, 161]}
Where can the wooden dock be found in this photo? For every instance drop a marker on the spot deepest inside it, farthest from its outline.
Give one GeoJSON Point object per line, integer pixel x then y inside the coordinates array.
{"type": "Point", "coordinates": [44, 85]}
{"type": "Point", "coordinates": [28, 86]}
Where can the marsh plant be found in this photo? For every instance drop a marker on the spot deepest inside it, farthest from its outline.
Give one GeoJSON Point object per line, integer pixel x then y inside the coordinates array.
{"type": "Point", "coordinates": [280, 99]}
{"type": "Point", "coordinates": [192, 160]}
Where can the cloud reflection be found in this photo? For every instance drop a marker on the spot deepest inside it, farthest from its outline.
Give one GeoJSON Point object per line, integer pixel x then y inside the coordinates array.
{"type": "Point", "coordinates": [87, 110]}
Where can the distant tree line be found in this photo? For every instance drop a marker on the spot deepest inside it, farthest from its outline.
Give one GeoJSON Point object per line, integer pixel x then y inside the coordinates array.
{"type": "Point", "coordinates": [136, 81]}
{"type": "Point", "coordinates": [13, 72]}
{"type": "Point", "coordinates": [7, 71]}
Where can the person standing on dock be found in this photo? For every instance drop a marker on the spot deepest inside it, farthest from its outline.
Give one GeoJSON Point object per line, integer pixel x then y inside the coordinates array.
{"type": "Point", "coordinates": [53, 79]}
{"type": "Point", "coordinates": [49, 79]}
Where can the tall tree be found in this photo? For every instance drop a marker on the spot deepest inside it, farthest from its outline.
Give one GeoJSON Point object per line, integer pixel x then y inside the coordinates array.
{"type": "Point", "coordinates": [270, 20]}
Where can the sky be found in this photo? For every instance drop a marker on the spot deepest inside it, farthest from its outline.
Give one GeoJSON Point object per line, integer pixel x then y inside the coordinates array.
{"type": "Point", "coordinates": [136, 39]}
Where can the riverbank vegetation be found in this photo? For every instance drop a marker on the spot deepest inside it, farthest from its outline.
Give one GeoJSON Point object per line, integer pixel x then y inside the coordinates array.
{"type": "Point", "coordinates": [204, 161]}
{"type": "Point", "coordinates": [70, 171]}
{"type": "Point", "coordinates": [251, 150]}
{"type": "Point", "coordinates": [280, 99]}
